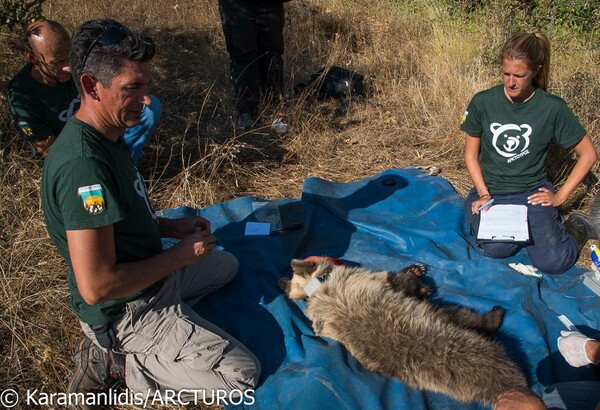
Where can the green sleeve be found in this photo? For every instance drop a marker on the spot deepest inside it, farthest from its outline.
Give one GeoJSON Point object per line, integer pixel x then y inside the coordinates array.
{"type": "Point", "coordinates": [23, 110]}
{"type": "Point", "coordinates": [88, 195]}
{"type": "Point", "coordinates": [471, 121]}
{"type": "Point", "coordinates": [568, 131]}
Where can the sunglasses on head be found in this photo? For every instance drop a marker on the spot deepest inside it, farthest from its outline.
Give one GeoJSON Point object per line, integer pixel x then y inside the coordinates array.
{"type": "Point", "coordinates": [113, 34]}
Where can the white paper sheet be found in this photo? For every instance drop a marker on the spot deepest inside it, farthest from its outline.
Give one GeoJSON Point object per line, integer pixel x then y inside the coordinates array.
{"type": "Point", "coordinates": [257, 228]}
{"type": "Point", "coordinates": [504, 223]}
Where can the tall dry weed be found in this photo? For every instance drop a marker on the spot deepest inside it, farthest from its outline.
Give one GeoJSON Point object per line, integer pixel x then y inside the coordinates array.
{"type": "Point", "coordinates": [423, 61]}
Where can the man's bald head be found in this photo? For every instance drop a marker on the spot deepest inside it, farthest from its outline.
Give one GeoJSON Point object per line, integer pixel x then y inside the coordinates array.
{"type": "Point", "coordinates": [48, 45]}
{"type": "Point", "coordinates": [46, 31]}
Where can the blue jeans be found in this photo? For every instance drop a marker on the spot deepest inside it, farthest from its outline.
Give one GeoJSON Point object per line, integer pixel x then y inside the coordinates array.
{"type": "Point", "coordinates": [136, 137]}
{"type": "Point", "coordinates": [550, 248]}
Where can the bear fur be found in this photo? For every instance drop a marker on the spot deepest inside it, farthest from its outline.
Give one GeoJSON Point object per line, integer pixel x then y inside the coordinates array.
{"type": "Point", "coordinates": [384, 322]}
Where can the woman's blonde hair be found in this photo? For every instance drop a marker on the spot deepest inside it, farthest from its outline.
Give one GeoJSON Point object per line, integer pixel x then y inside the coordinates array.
{"type": "Point", "coordinates": [534, 50]}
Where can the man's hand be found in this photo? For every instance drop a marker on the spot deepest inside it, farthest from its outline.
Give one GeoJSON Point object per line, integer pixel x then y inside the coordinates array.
{"type": "Point", "coordinates": [572, 346]}
{"type": "Point", "coordinates": [195, 246]}
{"type": "Point", "coordinates": [182, 227]}
{"type": "Point", "coordinates": [100, 278]}
{"type": "Point", "coordinates": [519, 398]}
{"type": "Point", "coordinates": [43, 146]}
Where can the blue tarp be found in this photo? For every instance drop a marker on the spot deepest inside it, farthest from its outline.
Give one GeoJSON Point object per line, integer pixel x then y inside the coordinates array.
{"type": "Point", "coordinates": [389, 221]}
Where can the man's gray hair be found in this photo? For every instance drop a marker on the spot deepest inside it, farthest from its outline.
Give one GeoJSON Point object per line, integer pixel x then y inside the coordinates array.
{"type": "Point", "coordinates": [89, 54]}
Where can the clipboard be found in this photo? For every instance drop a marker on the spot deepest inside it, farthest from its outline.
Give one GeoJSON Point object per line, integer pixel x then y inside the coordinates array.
{"type": "Point", "coordinates": [504, 223]}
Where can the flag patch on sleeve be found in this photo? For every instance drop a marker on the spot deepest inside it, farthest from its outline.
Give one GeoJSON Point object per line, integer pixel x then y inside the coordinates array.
{"type": "Point", "coordinates": [93, 198]}
{"type": "Point", "coordinates": [25, 128]}
{"type": "Point", "coordinates": [464, 116]}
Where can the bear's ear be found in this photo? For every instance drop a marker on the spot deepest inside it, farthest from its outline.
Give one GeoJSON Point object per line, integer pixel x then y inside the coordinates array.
{"type": "Point", "coordinates": [285, 284]}
{"type": "Point", "coordinates": [303, 268]}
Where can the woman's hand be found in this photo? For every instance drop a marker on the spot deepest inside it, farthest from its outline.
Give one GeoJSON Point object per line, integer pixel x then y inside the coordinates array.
{"type": "Point", "coordinates": [479, 203]}
{"type": "Point", "coordinates": [545, 197]}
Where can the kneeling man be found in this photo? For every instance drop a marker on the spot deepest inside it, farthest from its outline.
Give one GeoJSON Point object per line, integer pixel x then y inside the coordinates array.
{"type": "Point", "coordinates": [133, 299]}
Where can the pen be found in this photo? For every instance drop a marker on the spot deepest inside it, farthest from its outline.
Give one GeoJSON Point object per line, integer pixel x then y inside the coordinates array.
{"type": "Point", "coordinates": [491, 201]}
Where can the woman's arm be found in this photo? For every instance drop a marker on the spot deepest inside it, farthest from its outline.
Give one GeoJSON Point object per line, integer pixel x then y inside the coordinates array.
{"type": "Point", "coordinates": [586, 158]}
{"type": "Point", "coordinates": [472, 163]}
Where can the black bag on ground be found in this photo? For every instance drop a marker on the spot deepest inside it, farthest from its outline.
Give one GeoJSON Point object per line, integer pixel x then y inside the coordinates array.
{"type": "Point", "coordinates": [336, 82]}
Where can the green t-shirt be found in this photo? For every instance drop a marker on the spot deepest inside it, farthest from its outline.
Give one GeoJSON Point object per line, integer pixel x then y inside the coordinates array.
{"type": "Point", "coordinates": [89, 181]}
{"type": "Point", "coordinates": [515, 137]}
{"type": "Point", "coordinates": [41, 110]}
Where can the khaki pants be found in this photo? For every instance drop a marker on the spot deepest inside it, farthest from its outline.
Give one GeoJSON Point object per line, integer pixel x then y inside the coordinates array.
{"type": "Point", "coordinates": [168, 346]}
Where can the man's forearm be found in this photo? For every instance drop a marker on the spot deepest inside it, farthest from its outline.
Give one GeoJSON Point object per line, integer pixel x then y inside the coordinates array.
{"type": "Point", "coordinates": [131, 277]}
{"type": "Point", "coordinates": [100, 278]}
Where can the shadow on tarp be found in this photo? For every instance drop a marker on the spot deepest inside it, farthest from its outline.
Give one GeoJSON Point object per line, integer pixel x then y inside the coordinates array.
{"type": "Point", "coordinates": [324, 229]}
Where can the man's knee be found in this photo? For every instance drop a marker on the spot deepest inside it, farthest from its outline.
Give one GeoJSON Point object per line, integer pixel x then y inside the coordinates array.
{"type": "Point", "coordinates": [239, 369]}
{"type": "Point", "coordinates": [226, 265]}
{"type": "Point", "coordinates": [230, 263]}
{"type": "Point", "coordinates": [247, 377]}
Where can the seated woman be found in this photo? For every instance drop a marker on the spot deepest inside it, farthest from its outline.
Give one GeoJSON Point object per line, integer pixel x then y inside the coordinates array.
{"type": "Point", "coordinates": [509, 128]}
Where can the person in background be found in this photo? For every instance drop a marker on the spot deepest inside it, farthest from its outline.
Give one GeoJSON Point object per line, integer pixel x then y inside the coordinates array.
{"type": "Point", "coordinates": [509, 128]}
{"type": "Point", "coordinates": [42, 96]}
{"type": "Point", "coordinates": [253, 32]}
{"type": "Point", "coordinates": [133, 299]}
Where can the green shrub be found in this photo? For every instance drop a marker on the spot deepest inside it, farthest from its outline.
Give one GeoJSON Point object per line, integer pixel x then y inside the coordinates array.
{"type": "Point", "coordinates": [580, 17]}
{"type": "Point", "coordinates": [19, 12]}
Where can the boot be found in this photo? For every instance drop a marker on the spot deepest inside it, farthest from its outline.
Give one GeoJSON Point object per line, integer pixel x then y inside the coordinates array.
{"type": "Point", "coordinates": [95, 371]}
{"type": "Point", "coordinates": [579, 226]}
{"type": "Point", "coordinates": [594, 218]}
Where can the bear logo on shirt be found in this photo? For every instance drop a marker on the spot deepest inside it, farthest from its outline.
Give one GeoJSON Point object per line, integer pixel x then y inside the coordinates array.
{"type": "Point", "coordinates": [511, 140]}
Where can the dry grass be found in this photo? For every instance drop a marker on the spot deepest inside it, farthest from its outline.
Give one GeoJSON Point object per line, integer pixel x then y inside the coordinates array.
{"type": "Point", "coordinates": [422, 60]}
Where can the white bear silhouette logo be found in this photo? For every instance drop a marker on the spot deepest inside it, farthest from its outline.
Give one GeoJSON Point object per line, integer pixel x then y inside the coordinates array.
{"type": "Point", "coordinates": [510, 139]}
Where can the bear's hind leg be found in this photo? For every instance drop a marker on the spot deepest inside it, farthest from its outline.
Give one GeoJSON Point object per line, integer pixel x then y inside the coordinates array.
{"type": "Point", "coordinates": [488, 323]}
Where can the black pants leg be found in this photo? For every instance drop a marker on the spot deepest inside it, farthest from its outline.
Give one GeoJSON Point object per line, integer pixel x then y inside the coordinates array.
{"type": "Point", "coordinates": [270, 46]}
{"type": "Point", "coordinates": [254, 38]}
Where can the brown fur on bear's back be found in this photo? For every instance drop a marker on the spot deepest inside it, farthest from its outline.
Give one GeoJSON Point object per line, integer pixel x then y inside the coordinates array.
{"type": "Point", "coordinates": [401, 336]}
